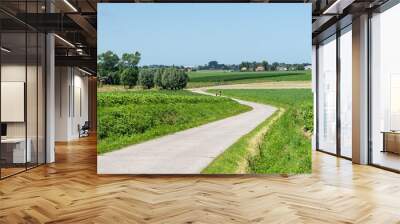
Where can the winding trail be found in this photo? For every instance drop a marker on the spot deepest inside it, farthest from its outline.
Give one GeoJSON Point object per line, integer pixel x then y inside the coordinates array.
{"type": "Point", "coordinates": [184, 152]}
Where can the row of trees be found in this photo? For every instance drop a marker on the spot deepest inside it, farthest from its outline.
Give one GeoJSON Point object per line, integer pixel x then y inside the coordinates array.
{"type": "Point", "coordinates": [164, 78]}
{"type": "Point", "coordinates": [125, 71]}
{"type": "Point", "coordinates": [115, 70]}
{"type": "Point", "coordinates": [214, 65]}
{"type": "Point", "coordinates": [252, 66]}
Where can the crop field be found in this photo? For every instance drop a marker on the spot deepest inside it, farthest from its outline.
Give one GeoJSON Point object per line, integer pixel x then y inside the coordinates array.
{"type": "Point", "coordinates": [286, 146]}
{"type": "Point", "coordinates": [211, 78]}
{"type": "Point", "coordinates": [130, 117]}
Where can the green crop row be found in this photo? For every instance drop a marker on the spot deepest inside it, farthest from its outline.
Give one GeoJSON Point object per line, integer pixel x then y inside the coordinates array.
{"type": "Point", "coordinates": [153, 97]}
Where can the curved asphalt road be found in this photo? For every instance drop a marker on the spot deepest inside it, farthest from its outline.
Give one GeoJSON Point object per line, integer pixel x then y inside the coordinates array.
{"type": "Point", "coordinates": [184, 152]}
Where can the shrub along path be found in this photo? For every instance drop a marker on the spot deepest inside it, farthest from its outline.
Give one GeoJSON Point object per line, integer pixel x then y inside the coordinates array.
{"type": "Point", "coordinates": [185, 152]}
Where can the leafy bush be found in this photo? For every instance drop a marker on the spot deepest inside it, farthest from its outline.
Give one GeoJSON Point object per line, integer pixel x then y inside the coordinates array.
{"type": "Point", "coordinates": [158, 77]}
{"type": "Point", "coordinates": [112, 77]}
{"type": "Point", "coordinates": [164, 78]}
{"type": "Point", "coordinates": [174, 79]}
{"type": "Point", "coordinates": [306, 115]}
{"type": "Point", "coordinates": [146, 78]}
{"type": "Point", "coordinates": [129, 76]}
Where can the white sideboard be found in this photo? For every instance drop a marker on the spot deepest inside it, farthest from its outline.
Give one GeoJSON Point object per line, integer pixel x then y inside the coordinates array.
{"type": "Point", "coordinates": [19, 154]}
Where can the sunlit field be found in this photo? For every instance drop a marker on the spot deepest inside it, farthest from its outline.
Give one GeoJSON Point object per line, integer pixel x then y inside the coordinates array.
{"type": "Point", "coordinates": [211, 78]}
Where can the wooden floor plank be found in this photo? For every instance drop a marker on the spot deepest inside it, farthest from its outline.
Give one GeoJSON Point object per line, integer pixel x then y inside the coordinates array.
{"type": "Point", "coordinates": [70, 191]}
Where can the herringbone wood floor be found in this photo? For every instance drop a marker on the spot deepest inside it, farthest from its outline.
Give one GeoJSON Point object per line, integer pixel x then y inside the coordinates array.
{"type": "Point", "coordinates": [69, 191]}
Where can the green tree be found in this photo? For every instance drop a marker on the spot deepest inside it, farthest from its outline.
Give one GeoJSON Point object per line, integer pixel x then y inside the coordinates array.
{"type": "Point", "coordinates": [274, 66]}
{"type": "Point", "coordinates": [107, 63]}
{"type": "Point", "coordinates": [253, 65]}
{"type": "Point", "coordinates": [166, 78]}
{"type": "Point", "coordinates": [129, 76]}
{"type": "Point", "coordinates": [130, 60]}
{"type": "Point", "coordinates": [174, 79]}
{"type": "Point", "coordinates": [212, 65]}
{"type": "Point", "coordinates": [245, 64]}
{"type": "Point", "coordinates": [300, 67]}
{"type": "Point", "coordinates": [158, 77]}
{"type": "Point", "coordinates": [146, 78]}
{"type": "Point", "coordinates": [183, 79]}
{"type": "Point", "coordinates": [265, 65]}
{"type": "Point", "coordinates": [114, 78]}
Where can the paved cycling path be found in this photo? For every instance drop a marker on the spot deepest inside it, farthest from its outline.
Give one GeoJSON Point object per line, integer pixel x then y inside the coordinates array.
{"type": "Point", "coordinates": [184, 152]}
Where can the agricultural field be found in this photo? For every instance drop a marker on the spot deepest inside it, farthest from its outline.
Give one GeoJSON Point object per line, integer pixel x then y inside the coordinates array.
{"type": "Point", "coordinates": [130, 117]}
{"type": "Point", "coordinates": [285, 147]}
{"type": "Point", "coordinates": [212, 78]}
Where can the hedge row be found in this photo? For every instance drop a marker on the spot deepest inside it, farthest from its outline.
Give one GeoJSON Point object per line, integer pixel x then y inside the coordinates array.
{"type": "Point", "coordinates": [167, 78]}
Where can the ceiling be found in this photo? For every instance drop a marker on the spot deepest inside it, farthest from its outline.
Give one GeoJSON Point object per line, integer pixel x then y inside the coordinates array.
{"type": "Point", "coordinates": [75, 21]}
{"type": "Point", "coordinates": [331, 15]}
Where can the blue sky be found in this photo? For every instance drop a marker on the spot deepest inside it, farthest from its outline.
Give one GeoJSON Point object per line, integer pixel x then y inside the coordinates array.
{"type": "Point", "coordinates": [193, 34]}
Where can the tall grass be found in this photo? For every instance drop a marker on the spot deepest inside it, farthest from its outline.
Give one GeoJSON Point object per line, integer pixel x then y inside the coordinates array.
{"type": "Point", "coordinates": [286, 147]}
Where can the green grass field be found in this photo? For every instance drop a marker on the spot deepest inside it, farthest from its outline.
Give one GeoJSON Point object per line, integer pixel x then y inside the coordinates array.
{"type": "Point", "coordinates": [130, 117]}
{"type": "Point", "coordinates": [285, 148]}
{"type": "Point", "coordinates": [211, 78]}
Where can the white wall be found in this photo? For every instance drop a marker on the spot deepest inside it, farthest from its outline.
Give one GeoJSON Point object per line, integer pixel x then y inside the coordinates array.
{"type": "Point", "coordinates": [33, 126]}
{"type": "Point", "coordinates": [17, 73]}
{"type": "Point", "coordinates": [14, 72]}
{"type": "Point", "coordinates": [62, 83]}
{"type": "Point", "coordinates": [71, 87]}
{"type": "Point", "coordinates": [13, 101]}
{"type": "Point", "coordinates": [80, 88]}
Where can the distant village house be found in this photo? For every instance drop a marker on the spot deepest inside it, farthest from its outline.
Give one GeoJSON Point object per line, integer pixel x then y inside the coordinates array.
{"type": "Point", "coordinates": [281, 68]}
{"type": "Point", "coordinates": [260, 68]}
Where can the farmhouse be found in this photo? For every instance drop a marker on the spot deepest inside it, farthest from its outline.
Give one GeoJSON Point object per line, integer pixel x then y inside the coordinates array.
{"type": "Point", "coordinates": [188, 69]}
{"type": "Point", "coordinates": [281, 68]}
{"type": "Point", "coordinates": [260, 68]}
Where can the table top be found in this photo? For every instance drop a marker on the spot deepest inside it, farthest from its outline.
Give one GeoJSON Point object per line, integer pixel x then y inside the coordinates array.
{"type": "Point", "coordinates": [13, 140]}
{"type": "Point", "coordinates": [391, 132]}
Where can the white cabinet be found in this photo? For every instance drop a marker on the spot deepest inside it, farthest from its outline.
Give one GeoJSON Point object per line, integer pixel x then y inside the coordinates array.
{"type": "Point", "coordinates": [19, 155]}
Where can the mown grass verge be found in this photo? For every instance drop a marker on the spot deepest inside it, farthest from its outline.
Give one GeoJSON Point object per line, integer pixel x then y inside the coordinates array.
{"type": "Point", "coordinates": [130, 117]}
{"type": "Point", "coordinates": [285, 148]}
{"type": "Point", "coordinates": [236, 156]}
